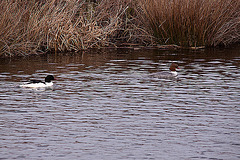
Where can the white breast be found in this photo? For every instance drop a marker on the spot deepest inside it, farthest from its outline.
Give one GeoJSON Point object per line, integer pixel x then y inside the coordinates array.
{"type": "Point", "coordinates": [174, 73]}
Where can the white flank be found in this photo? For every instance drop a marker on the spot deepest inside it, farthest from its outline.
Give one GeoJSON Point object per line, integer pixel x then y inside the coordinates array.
{"type": "Point", "coordinates": [37, 85]}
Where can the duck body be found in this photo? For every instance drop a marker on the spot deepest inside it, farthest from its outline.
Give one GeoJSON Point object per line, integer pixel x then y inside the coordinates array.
{"type": "Point", "coordinates": [167, 75]}
{"type": "Point", "coordinates": [38, 83]}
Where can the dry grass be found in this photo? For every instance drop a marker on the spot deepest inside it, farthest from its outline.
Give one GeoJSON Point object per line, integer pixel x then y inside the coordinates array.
{"type": "Point", "coordinates": [193, 22]}
{"type": "Point", "coordinates": [37, 26]}
{"type": "Point", "coordinates": [62, 25]}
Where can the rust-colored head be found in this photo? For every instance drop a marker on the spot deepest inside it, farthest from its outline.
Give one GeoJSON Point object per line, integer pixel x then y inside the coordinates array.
{"type": "Point", "coordinates": [173, 67]}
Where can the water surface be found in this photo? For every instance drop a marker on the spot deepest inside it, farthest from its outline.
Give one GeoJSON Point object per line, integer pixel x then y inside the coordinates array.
{"type": "Point", "coordinates": [104, 106]}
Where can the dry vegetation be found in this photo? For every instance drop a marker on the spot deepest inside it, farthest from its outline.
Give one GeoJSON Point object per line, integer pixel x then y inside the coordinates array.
{"type": "Point", "coordinates": [71, 25]}
{"type": "Point", "coordinates": [193, 23]}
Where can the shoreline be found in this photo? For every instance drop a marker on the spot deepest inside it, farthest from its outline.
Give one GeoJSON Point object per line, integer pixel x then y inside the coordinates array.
{"type": "Point", "coordinates": [42, 26]}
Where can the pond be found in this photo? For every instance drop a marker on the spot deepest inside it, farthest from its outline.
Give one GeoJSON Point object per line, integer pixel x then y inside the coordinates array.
{"type": "Point", "coordinates": [104, 106]}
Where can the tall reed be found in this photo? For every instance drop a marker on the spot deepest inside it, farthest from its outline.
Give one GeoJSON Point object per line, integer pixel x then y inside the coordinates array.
{"type": "Point", "coordinates": [193, 22]}
{"type": "Point", "coordinates": [38, 26]}
{"type": "Point", "coordinates": [61, 25]}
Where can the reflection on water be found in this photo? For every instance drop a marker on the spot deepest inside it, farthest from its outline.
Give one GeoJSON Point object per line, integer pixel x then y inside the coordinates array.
{"type": "Point", "coordinates": [104, 106]}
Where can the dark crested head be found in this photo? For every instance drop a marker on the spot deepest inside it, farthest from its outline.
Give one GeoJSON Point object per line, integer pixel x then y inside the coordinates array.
{"type": "Point", "coordinates": [173, 67]}
{"type": "Point", "coordinates": [49, 78]}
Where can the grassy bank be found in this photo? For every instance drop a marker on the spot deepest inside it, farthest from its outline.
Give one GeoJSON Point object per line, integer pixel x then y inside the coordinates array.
{"type": "Point", "coordinates": [40, 26]}
{"type": "Point", "coordinates": [193, 23]}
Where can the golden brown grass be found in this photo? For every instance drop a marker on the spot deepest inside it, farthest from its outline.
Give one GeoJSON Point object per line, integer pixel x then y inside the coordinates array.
{"type": "Point", "coordinates": [193, 22]}
{"type": "Point", "coordinates": [37, 26]}
{"type": "Point", "coordinates": [61, 25]}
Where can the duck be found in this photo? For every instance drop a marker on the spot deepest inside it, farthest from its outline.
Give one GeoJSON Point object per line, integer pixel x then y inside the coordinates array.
{"type": "Point", "coordinates": [168, 75]}
{"type": "Point", "coordinates": [38, 83]}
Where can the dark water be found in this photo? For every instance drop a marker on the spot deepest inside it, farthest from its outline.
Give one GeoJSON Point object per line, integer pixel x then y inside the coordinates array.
{"type": "Point", "coordinates": [103, 106]}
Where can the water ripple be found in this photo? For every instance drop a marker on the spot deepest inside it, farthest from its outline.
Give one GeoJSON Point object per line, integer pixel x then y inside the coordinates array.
{"type": "Point", "coordinates": [111, 109]}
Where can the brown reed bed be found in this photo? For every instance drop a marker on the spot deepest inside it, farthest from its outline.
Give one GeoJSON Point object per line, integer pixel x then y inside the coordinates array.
{"type": "Point", "coordinates": [193, 23]}
{"type": "Point", "coordinates": [39, 26]}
